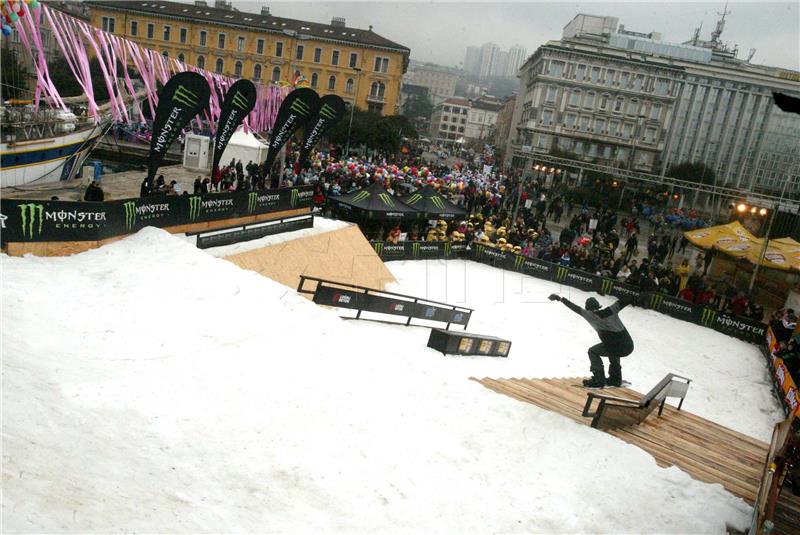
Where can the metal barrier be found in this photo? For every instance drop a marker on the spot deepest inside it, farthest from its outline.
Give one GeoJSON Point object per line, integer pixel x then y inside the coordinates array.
{"type": "Point", "coordinates": [251, 231]}
{"type": "Point", "coordinates": [363, 299]}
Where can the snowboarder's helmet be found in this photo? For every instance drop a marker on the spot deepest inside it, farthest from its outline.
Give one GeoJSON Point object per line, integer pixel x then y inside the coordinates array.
{"type": "Point", "coordinates": [592, 304]}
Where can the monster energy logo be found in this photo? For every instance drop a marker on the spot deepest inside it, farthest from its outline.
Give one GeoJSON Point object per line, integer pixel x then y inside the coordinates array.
{"type": "Point", "coordinates": [438, 202]}
{"type": "Point", "coordinates": [327, 112]}
{"type": "Point", "coordinates": [184, 96]}
{"type": "Point", "coordinates": [295, 197]}
{"type": "Point", "coordinates": [414, 198]}
{"type": "Point", "coordinates": [605, 286]}
{"type": "Point", "coordinates": [518, 261]}
{"type": "Point", "coordinates": [415, 249]}
{"type": "Point", "coordinates": [252, 197]}
{"type": "Point", "coordinates": [300, 108]}
{"type": "Point", "coordinates": [387, 199]}
{"type": "Point", "coordinates": [561, 273]}
{"type": "Point", "coordinates": [378, 247]}
{"type": "Point", "coordinates": [479, 249]}
{"type": "Point", "coordinates": [239, 101]}
{"type": "Point", "coordinates": [194, 207]}
{"type": "Point", "coordinates": [656, 300]}
{"type": "Point", "coordinates": [708, 317]}
{"type": "Point", "coordinates": [130, 214]}
{"type": "Point", "coordinates": [30, 213]}
{"type": "Point", "coordinates": [361, 195]}
{"type": "Point", "coordinates": [447, 248]}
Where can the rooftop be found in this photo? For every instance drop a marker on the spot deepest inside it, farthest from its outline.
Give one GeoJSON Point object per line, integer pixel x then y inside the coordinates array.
{"type": "Point", "coordinates": [254, 21]}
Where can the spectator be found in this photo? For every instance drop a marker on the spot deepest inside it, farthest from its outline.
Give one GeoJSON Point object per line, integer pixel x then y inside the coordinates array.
{"type": "Point", "coordinates": [94, 193]}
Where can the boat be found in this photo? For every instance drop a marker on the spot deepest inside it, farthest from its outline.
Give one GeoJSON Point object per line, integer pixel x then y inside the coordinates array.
{"type": "Point", "coordinates": [44, 145]}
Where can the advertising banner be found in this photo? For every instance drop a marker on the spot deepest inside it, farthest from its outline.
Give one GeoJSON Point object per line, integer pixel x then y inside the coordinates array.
{"type": "Point", "coordinates": [418, 250]}
{"type": "Point", "coordinates": [531, 266]}
{"type": "Point", "coordinates": [573, 277]}
{"type": "Point", "coordinates": [253, 233]}
{"type": "Point", "coordinates": [42, 221]}
{"type": "Point", "coordinates": [490, 255]}
{"type": "Point", "coordinates": [331, 110]}
{"type": "Point", "coordinates": [672, 306]}
{"type": "Point", "coordinates": [185, 95]}
{"type": "Point", "coordinates": [737, 326]}
{"type": "Point", "coordinates": [239, 102]}
{"type": "Point", "coordinates": [295, 111]}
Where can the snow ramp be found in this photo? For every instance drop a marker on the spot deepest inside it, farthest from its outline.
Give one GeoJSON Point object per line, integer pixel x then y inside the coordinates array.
{"type": "Point", "coordinates": [342, 254]}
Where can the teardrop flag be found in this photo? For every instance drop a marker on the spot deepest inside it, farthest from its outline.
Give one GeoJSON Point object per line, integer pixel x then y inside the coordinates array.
{"type": "Point", "coordinates": [295, 111]}
{"type": "Point", "coordinates": [331, 110]}
{"type": "Point", "coordinates": [239, 102]}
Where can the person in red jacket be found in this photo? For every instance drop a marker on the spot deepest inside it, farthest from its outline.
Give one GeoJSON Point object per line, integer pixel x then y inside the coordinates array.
{"type": "Point", "coordinates": [704, 296]}
{"type": "Point", "coordinates": [739, 304]}
{"type": "Point", "coordinates": [687, 294]}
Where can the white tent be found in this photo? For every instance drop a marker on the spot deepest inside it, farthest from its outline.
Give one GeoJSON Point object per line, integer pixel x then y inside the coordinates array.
{"type": "Point", "coordinates": [244, 147]}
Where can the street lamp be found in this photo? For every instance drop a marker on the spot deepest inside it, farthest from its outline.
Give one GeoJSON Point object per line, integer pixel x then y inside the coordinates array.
{"type": "Point", "coordinates": [352, 110]}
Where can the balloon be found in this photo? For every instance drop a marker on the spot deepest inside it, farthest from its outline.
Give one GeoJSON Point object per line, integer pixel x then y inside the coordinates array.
{"type": "Point", "coordinates": [6, 29]}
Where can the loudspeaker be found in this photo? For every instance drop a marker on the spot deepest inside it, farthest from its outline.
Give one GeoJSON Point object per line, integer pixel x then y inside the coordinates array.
{"type": "Point", "coordinates": [461, 343]}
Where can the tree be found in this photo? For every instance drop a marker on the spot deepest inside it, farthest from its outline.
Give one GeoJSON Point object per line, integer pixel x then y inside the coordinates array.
{"type": "Point", "coordinates": [13, 76]}
{"type": "Point", "coordinates": [418, 106]}
{"type": "Point", "coordinates": [696, 172]}
{"type": "Point", "coordinates": [372, 130]}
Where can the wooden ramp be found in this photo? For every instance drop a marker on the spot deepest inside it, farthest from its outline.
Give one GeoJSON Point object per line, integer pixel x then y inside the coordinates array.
{"type": "Point", "coordinates": [705, 450]}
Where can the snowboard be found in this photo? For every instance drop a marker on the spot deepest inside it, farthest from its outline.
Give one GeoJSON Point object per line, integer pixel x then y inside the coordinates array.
{"type": "Point", "coordinates": [625, 384]}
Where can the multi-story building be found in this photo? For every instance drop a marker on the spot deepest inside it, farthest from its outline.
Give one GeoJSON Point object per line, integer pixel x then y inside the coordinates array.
{"type": "Point", "coordinates": [359, 65]}
{"type": "Point", "coordinates": [628, 100]}
{"type": "Point", "coordinates": [481, 119]}
{"type": "Point", "coordinates": [516, 57]}
{"type": "Point", "coordinates": [502, 126]}
{"type": "Point", "coordinates": [440, 81]}
{"type": "Point", "coordinates": [449, 122]}
{"type": "Point", "coordinates": [489, 52]}
{"type": "Point", "coordinates": [472, 60]}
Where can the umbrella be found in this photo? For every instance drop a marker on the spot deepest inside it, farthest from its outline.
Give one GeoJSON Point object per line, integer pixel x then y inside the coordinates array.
{"type": "Point", "coordinates": [433, 204]}
{"type": "Point", "coordinates": [373, 202]}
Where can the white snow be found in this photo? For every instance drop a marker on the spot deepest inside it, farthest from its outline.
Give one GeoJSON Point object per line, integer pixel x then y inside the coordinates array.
{"type": "Point", "coordinates": [150, 387]}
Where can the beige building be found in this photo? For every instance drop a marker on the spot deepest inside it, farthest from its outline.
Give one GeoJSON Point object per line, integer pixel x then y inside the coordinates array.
{"type": "Point", "coordinates": [359, 65]}
{"type": "Point", "coordinates": [449, 122]}
{"type": "Point", "coordinates": [440, 81]}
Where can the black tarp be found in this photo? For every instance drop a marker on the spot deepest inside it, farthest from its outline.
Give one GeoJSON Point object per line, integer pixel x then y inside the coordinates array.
{"type": "Point", "coordinates": [372, 203]}
{"type": "Point", "coordinates": [433, 204]}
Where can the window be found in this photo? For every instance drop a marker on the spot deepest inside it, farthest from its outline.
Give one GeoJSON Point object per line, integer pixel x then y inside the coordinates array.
{"type": "Point", "coordinates": [595, 74]}
{"type": "Point", "coordinates": [221, 40]}
{"type": "Point", "coordinates": [134, 28]}
{"type": "Point", "coordinates": [603, 102]}
{"type": "Point", "coordinates": [278, 49]}
{"type": "Point", "coordinates": [385, 65]}
{"type": "Point", "coordinates": [108, 24]}
{"type": "Point", "coordinates": [201, 62]}
{"type": "Point", "coordinates": [317, 55]}
{"type": "Point", "coordinates": [181, 58]}
{"type": "Point", "coordinates": [649, 135]}
{"type": "Point", "coordinates": [662, 86]}
{"type": "Point", "coordinates": [257, 72]}
{"type": "Point", "coordinates": [184, 35]}
{"type": "Point", "coordinates": [377, 89]}
{"type": "Point", "coordinates": [580, 73]}
{"type": "Point", "coordinates": [348, 87]}
{"type": "Point", "coordinates": [446, 108]}
{"type": "Point", "coordinates": [335, 57]}
{"type": "Point", "coordinates": [623, 79]}
{"type": "Point", "coordinates": [584, 124]}
{"type": "Point", "coordinates": [452, 128]}
{"type": "Point", "coordinates": [599, 125]}
{"type": "Point", "coordinates": [260, 46]}
{"type": "Point", "coordinates": [203, 36]}
{"type": "Point", "coordinates": [607, 152]}
{"type": "Point", "coordinates": [627, 129]}
{"type": "Point", "coordinates": [551, 95]}
{"type": "Point", "coordinates": [237, 69]}
{"type": "Point", "coordinates": [638, 82]}
{"type": "Point", "coordinates": [556, 68]}
{"type": "Point", "coordinates": [618, 105]}
{"type": "Point", "coordinates": [575, 98]}
{"type": "Point", "coordinates": [240, 44]}
{"type": "Point", "coordinates": [570, 120]}
{"type": "Point", "coordinates": [609, 77]}
{"type": "Point", "coordinates": [151, 30]}
{"type": "Point", "coordinates": [332, 83]}
{"type": "Point", "coordinates": [299, 53]}
{"type": "Point", "coordinates": [578, 148]}
{"type": "Point", "coordinates": [167, 30]}
{"type": "Point", "coordinates": [353, 60]}
{"type": "Point", "coordinates": [381, 64]}
{"type": "Point", "coordinates": [547, 118]}
{"type": "Point", "coordinates": [588, 102]}
{"type": "Point", "coordinates": [165, 54]}
{"type": "Point", "coordinates": [314, 79]}
{"type": "Point", "coordinates": [219, 66]}
{"type": "Point", "coordinates": [613, 128]}
{"type": "Point", "coordinates": [633, 105]}
{"type": "Point", "coordinates": [276, 74]}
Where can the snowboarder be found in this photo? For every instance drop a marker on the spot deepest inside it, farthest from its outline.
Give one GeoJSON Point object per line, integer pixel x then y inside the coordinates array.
{"type": "Point", "coordinates": [615, 342]}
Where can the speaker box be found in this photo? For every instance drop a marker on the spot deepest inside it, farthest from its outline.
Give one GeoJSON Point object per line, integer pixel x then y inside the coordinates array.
{"type": "Point", "coordinates": [461, 343]}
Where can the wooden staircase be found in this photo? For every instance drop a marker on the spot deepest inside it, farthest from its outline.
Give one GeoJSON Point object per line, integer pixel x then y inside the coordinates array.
{"type": "Point", "coordinates": [705, 450]}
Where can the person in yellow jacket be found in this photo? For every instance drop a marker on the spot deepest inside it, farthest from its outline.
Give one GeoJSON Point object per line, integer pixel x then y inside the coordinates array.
{"type": "Point", "coordinates": [683, 273]}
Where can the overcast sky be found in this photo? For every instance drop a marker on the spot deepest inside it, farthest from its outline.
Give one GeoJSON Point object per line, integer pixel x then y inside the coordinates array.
{"type": "Point", "coordinates": [440, 31]}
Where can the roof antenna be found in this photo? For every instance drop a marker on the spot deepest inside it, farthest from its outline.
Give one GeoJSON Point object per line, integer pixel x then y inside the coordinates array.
{"type": "Point", "coordinates": [720, 24]}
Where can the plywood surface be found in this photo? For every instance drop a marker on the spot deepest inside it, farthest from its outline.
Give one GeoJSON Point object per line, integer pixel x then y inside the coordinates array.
{"type": "Point", "coordinates": [705, 450]}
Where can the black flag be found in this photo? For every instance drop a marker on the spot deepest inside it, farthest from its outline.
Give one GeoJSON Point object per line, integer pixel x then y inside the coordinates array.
{"type": "Point", "coordinates": [239, 102]}
{"type": "Point", "coordinates": [296, 109]}
{"type": "Point", "coordinates": [331, 110]}
{"type": "Point", "coordinates": [184, 96]}
{"type": "Point", "coordinates": [787, 103]}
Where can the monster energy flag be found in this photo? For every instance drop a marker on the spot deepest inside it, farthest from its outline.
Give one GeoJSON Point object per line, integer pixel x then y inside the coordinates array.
{"type": "Point", "coordinates": [295, 111]}
{"type": "Point", "coordinates": [373, 202]}
{"type": "Point", "coordinates": [185, 95]}
{"type": "Point", "coordinates": [239, 102]}
{"type": "Point", "coordinates": [331, 111]}
{"type": "Point", "coordinates": [433, 204]}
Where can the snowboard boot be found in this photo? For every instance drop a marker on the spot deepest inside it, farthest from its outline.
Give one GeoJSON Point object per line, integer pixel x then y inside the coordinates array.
{"type": "Point", "coordinates": [594, 382]}
{"type": "Point", "coordinates": [614, 381]}
{"type": "Point", "coordinates": [614, 372]}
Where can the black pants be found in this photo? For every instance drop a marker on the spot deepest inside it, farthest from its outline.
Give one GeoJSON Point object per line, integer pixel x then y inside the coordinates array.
{"type": "Point", "coordinates": [614, 352]}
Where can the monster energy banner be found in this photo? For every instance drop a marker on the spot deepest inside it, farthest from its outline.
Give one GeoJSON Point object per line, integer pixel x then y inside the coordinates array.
{"type": "Point", "coordinates": [575, 278]}
{"type": "Point", "coordinates": [372, 202]}
{"type": "Point", "coordinates": [417, 250]}
{"type": "Point", "coordinates": [433, 204]}
{"type": "Point", "coordinates": [742, 328]}
{"type": "Point", "coordinates": [531, 266]}
{"type": "Point", "coordinates": [239, 102]}
{"type": "Point", "coordinates": [43, 221]}
{"type": "Point", "coordinates": [295, 111]}
{"type": "Point", "coordinates": [672, 306]}
{"type": "Point", "coordinates": [185, 95]}
{"type": "Point", "coordinates": [358, 300]}
{"type": "Point", "coordinates": [490, 255]}
{"type": "Point", "coordinates": [331, 110]}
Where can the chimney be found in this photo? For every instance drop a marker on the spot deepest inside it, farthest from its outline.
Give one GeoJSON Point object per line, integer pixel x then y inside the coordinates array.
{"type": "Point", "coordinates": [338, 22]}
{"type": "Point", "coordinates": [200, 3]}
{"type": "Point", "coordinates": [265, 11]}
{"type": "Point", "coordinates": [222, 4]}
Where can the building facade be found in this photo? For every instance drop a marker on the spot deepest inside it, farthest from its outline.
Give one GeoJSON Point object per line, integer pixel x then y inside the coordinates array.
{"type": "Point", "coordinates": [628, 100]}
{"type": "Point", "coordinates": [503, 124]}
{"type": "Point", "coordinates": [516, 57]}
{"type": "Point", "coordinates": [481, 120]}
{"type": "Point", "coordinates": [440, 81]}
{"type": "Point", "coordinates": [449, 122]}
{"type": "Point", "coordinates": [358, 65]}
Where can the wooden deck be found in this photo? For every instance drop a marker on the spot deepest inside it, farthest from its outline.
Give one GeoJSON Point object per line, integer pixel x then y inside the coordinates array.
{"type": "Point", "coordinates": [705, 450]}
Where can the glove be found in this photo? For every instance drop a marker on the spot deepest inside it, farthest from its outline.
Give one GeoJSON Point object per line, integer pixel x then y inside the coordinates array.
{"type": "Point", "coordinates": [554, 297]}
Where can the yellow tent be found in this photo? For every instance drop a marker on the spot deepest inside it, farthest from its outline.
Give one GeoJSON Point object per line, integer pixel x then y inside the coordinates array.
{"type": "Point", "coordinates": [735, 240]}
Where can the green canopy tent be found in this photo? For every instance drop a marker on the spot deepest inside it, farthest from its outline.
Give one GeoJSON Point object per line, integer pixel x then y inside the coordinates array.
{"type": "Point", "coordinates": [434, 205]}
